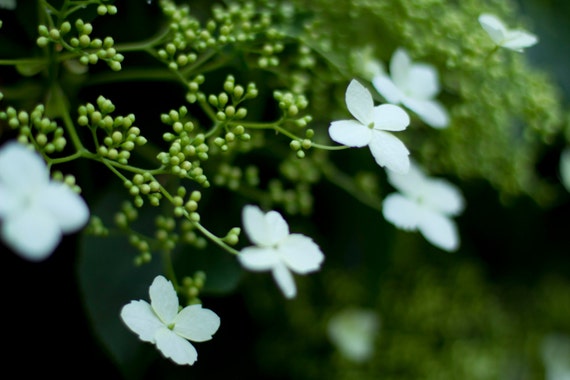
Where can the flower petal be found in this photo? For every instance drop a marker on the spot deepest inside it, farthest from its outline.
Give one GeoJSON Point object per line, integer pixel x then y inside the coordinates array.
{"type": "Point", "coordinates": [410, 183]}
{"type": "Point", "coordinates": [390, 152]}
{"type": "Point", "coordinates": [163, 299]}
{"type": "Point", "coordinates": [301, 254]}
{"type": "Point", "coordinates": [175, 347]}
{"type": "Point", "coordinates": [350, 133]}
{"type": "Point", "coordinates": [400, 65]}
{"type": "Point", "coordinates": [196, 324]}
{"type": "Point", "coordinates": [258, 258]}
{"type": "Point", "coordinates": [389, 91]}
{"type": "Point", "coordinates": [11, 201]}
{"type": "Point", "coordinates": [67, 207]}
{"type": "Point", "coordinates": [440, 231]}
{"type": "Point", "coordinates": [21, 169]}
{"type": "Point", "coordinates": [32, 233]}
{"type": "Point", "coordinates": [401, 212]}
{"type": "Point", "coordinates": [423, 81]}
{"type": "Point", "coordinates": [284, 280]}
{"type": "Point", "coordinates": [141, 319]}
{"type": "Point", "coordinates": [264, 229]}
{"type": "Point", "coordinates": [430, 111]}
{"type": "Point", "coordinates": [493, 26]}
{"type": "Point", "coordinates": [359, 102]}
{"type": "Point", "coordinates": [389, 117]}
{"type": "Point", "coordinates": [517, 40]}
{"type": "Point", "coordinates": [444, 197]}
{"type": "Point", "coordinates": [564, 168]}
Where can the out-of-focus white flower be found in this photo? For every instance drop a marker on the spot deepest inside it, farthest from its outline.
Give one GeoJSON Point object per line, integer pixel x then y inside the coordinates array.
{"type": "Point", "coordinates": [424, 204]}
{"type": "Point", "coordinates": [516, 40]}
{"type": "Point", "coordinates": [35, 211]}
{"type": "Point", "coordinates": [276, 249]}
{"type": "Point", "coordinates": [565, 168]}
{"type": "Point", "coordinates": [170, 330]}
{"type": "Point", "coordinates": [353, 332]}
{"type": "Point", "coordinates": [415, 86]}
{"type": "Point", "coordinates": [371, 127]}
{"type": "Point", "coordinates": [555, 353]}
{"type": "Point", "coordinates": [8, 4]}
{"type": "Point", "coordinates": [365, 64]}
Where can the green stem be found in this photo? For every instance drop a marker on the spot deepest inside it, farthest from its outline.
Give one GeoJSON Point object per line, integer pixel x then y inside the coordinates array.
{"type": "Point", "coordinates": [143, 45]}
{"type": "Point", "coordinates": [61, 105]}
{"type": "Point", "coordinates": [346, 183]}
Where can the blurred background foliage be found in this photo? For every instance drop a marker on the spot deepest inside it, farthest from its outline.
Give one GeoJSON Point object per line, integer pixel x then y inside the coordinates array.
{"type": "Point", "coordinates": [484, 312]}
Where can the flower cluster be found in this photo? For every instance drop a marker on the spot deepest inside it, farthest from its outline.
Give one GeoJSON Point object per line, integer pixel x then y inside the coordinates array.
{"type": "Point", "coordinates": [35, 211]}
{"type": "Point", "coordinates": [214, 132]}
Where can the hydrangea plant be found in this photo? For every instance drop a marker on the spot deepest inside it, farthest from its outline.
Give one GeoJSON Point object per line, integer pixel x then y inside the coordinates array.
{"type": "Point", "coordinates": [204, 140]}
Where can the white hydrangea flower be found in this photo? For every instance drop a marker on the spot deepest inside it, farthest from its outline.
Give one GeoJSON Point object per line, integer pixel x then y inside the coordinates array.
{"type": "Point", "coordinates": [170, 330]}
{"type": "Point", "coordinates": [277, 250]}
{"type": "Point", "coordinates": [371, 128]}
{"type": "Point", "coordinates": [555, 352]}
{"type": "Point", "coordinates": [415, 86]}
{"type": "Point", "coordinates": [8, 4]}
{"type": "Point", "coordinates": [565, 168]}
{"type": "Point", "coordinates": [353, 332]}
{"type": "Point", "coordinates": [516, 40]}
{"type": "Point", "coordinates": [424, 204]}
{"type": "Point", "coordinates": [35, 211]}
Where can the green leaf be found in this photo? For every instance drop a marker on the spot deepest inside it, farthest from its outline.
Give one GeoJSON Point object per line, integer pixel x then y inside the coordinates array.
{"type": "Point", "coordinates": [108, 280]}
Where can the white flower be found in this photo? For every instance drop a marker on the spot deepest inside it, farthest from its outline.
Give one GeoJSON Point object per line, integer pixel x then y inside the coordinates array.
{"type": "Point", "coordinates": [162, 324]}
{"type": "Point", "coordinates": [370, 128]}
{"type": "Point", "coordinates": [565, 168]}
{"type": "Point", "coordinates": [35, 211]}
{"type": "Point", "coordinates": [276, 249]}
{"type": "Point", "coordinates": [414, 85]}
{"type": "Point", "coordinates": [515, 40]}
{"type": "Point", "coordinates": [424, 204]}
{"type": "Point", "coordinates": [555, 352]}
{"type": "Point", "coordinates": [353, 332]}
{"type": "Point", "coordinates": [8, 4]}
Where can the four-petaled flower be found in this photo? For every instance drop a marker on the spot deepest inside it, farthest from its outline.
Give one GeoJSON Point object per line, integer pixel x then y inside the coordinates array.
{"type": "Point", "coordinates": [276, 249]}
{"type": "Point", "coordinates": [424, 204]}
{"type": "Point", "coordinates": [35, 211]}
{"type": "Point", "coordinates": [371, 126]}
{"type": "Point", "coordinates": [415, 86]}
{"type": "Point", "coordinates": [515, 40]}
{"type": "Point", "coordinates": [162, 324]}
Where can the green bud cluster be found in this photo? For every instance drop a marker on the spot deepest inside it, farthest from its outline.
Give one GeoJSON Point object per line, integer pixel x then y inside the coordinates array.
{"type": "Point", "coordinates": [228, 112]}
{"type": "Point", "coordinates": [194, 88]}
{"type": "Point", "coordinates": [121, 136]}
{"type": "Point", "coordinates": [68, 180]}
{"type": "Point", "coordinates": [228, 176]}
{"type": "Point", "coordinates": [126, 215]}
{"type": "Point", "coordinates": [36, 127]}
{"type": "Point", "coordinates": [144, 185]}
{"type": "Point", "coordinates": [295, 170]}
{"type": "Point", "coordinates": [142, 244]}
{"type": "Point", "coordinates": [165, 233]}
{"type": "Point", "coordinates": [186, 149]}
{"type": "Point", "coordinates": [253, 24]}
{"type": "Point", "coordinates": [96, 227]}
{"type": "Point", "coordinates": [189, 236]}
{"type": "Point", "coordinates": [298, 200]}
{"type": "Point", "coordinates": [191, 287]}
{"type": "Point", "coordinates": [89, 49]}
{"type": "Point", "coordinates": [232, 237]}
